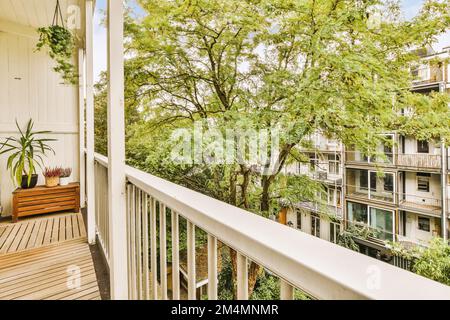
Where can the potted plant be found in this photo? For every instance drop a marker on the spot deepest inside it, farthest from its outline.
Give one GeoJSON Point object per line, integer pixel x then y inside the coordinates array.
{"type": "Point", "coordinates": [64, 177]}
{"type": "Point", "coordinates": [26, 153]}
{"type": "Point", "coordinates": [52, 176]}
{"type": "Point", "coordinates": [60, 44]}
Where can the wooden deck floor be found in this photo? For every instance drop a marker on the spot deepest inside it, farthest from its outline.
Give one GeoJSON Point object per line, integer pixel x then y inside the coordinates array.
{"type": "Point", "coordinates": [46, 258]}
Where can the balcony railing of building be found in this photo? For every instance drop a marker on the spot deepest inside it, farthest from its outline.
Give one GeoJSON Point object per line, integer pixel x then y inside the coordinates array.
{"type": "Point", "coordinates": [356, 191]}
{"type": "Point", "coordinates": [318, 207]}
{"type": "Point", "coordinates": [374, 234]}
{"type": "Point", "coordinates": [419, 160]}
{"type": "Point", "coordinates": [427, 75]}
{"type": "Point", "coordinates": [319, 268]}
{"type": "Point", "coordinates": [358, 157]}
{"type": "Point", "coordinates": [421, 203]}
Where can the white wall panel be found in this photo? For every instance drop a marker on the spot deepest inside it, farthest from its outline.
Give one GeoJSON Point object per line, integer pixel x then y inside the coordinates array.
{"type": "Point", "coordinates": [29, 88]}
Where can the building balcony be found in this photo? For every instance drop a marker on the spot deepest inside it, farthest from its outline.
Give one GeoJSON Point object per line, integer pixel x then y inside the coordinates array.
{"type": "Point", "coordinates": [155, 206]}
{"type": "Point", "coordinates": [426, 75]}
{"type": "Point", "coordinates": [317, 207]}
{"type": "Point", "coordinates": [417, 203]}
{"type": "Point", "coordinates": [359, 158]}
{"type": "Point", "coordinates": [419, 161]}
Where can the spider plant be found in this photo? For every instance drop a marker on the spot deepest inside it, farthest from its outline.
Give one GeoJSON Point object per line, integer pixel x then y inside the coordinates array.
{"type": "Point", "coordinates": [26, 152]}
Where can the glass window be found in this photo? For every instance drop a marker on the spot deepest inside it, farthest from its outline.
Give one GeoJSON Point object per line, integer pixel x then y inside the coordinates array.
{"type": "Point", "coordinates": [423, 147]}
{"type": "Point", "coordinates": [363, 183]}
{"type": "Point", "coordinates": [373, 181]}
{"type": "Point", "coordinates": [382, 221]}
{"type": "Point", "coordinates": [335, 230]}
{"type": "Point", "coordinates": [389, 182]}
{"type": "Point", "coordinates": [424, 224]}
{"type": "Point", "coordinates": [357, 212]}
{"type": "Point", "coordinates": [423, 184]}
{"type": "Point", "coordinates": [299, 219]}
{"type": "Point", "coordinates": [315, 225]}
{"type": "Point", "coordinates": [313, 162]}
{"type": "Point", "coordinates": [333, 163]}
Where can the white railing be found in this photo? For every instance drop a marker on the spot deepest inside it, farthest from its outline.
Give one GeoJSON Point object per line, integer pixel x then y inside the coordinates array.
{"type": "Point", "coordinates": [101, 203]}
{"type": "Point", "coordinates": [319, 268]}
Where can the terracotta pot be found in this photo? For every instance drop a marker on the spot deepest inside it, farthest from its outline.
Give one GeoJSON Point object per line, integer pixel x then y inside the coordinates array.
{"type": "Point", "coordinates": [51, 181]}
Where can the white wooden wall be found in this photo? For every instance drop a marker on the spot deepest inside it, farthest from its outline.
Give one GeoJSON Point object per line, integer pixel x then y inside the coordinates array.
{"type": "Point", "coordinates": [29, 88]}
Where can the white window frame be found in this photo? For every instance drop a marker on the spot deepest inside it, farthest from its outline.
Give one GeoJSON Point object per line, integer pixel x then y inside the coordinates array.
{"type": "Point", "coordinates": [317, 220]}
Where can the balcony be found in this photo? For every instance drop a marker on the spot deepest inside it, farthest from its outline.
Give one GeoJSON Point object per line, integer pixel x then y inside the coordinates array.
{"type": "Point", "coordinates": [357, 157]}
{"type": "Point", "coordinates": [419, 203]}
{"type": "Point", "coordinates": [419, 161]}
{"type": "Point", "coordinates": [155, 206]}
{"type": "Point", "coordinates": [135, 219]}
{"type": "Point", "coordinates": [317, 207]}
{"type": "Point", "coordinates": [426, 75]}
{"type": "Point", "coordinates": [368, 185]}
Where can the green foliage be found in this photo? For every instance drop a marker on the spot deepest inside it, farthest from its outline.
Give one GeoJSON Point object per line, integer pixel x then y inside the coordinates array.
{"type": "Point", "coordinates": [347, 237]}
{"type": "Point", "coordinates": [60, 44]}
{"type": "Point", "coordinates": [432, 262]}
{"type": "Point", "coordinates": [26, 152]}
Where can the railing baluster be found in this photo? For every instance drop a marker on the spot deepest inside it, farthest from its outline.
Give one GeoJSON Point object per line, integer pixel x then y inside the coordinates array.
{"type": "Point", "coordinates": [163, 250]}
{"type": "Point", "coordinates": [192, 288]}
{"type": "Point", "coordinates": [129, 213]}
{"type": "Point", "coordinates": [175, 258]}
{"type": "Point", "coordinates": [138, 245]}
{"type": "Point", "coordinates": [212, 267]}
{"type": "Point", "coordinates": [153, 248]}
{"type": "Point", "coordinates": [286, 291]}
{"type": "Point", "coordinates": [133, 242]}
{"type": "Point", "coordinates": [242, 277]}
{"type": "Point", "coordinates": [146, 274]}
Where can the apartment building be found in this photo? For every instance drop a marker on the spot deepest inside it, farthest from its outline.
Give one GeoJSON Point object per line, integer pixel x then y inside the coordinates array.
{"type": "Point", "coordinates": [407, 200]}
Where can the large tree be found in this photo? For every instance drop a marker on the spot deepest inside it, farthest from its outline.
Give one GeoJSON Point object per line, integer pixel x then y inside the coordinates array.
{"type": "Point", "coordinates": [340, 67]}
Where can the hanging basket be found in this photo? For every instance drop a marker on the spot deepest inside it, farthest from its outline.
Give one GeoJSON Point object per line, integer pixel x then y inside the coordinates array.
{"type": "Point", "coordinates": [60, 44]}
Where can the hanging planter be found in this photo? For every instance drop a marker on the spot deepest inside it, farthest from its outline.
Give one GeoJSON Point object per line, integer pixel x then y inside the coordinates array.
{"type": "Point", "coordinates": [60, 44]}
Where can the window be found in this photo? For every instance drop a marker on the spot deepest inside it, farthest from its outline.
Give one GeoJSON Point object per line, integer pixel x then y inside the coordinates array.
{"type": "Point", "coordinates": [373, 181]}
{"type": "Point", "coordinates": [313, 162]}
{"type": "Point", "coordinates": [357, 212]}
{"type": "Point", "coordinates": [363, 183]}
{"type": "Point", "coordinates": [338, 198]}
{"type": "Point", "coordinates": [333, 163]}
{"type": "Point", "coordinates": [423, 182]}
{"type": "Point", "coordinates": [299, 219]}
{"type": "Point", "coordinates": [315, 225]}
{"type": "Point", "coordinates": [389, 182]}
{"type": "Point", "coordinates": [335, 230]}
{"type": "Point", "coordinates": [422, 147]}
{"type": "Point", "coordinates": [424, 224]}
{"type": "Point", "coordinates": [382, 221]}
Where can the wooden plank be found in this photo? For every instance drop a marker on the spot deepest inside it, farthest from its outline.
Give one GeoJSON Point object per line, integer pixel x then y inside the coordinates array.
{"type": "Point", "coordinates": [75, 227]}
{"type": "Point", "coordinates": [62, 229]}
{"type": "Point", "coordinates": [41, 233]}
{"type": "Point", "coordinates": [10, 239]}
{"type": "Point", "coordinates": [45, 199]}
{"type": "Point", "coordinates": [48, 232]}
{"type": "Point", "coordinates": [52, 205]}
{"type": "Point", "coordinates": [18, 237]}
{"type": "Point", "coordinates": [26, 236]}
{"type": "Point", "coordinates": [34, 234]}
{"type": "Point", "coordinates": [5, 236]}
{"type": "Point", "coordinates": [69, 231]}
{"type": "Point", "coordinates": [81, 225]}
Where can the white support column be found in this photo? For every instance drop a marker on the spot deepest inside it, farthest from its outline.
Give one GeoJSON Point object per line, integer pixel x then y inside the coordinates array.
{"type": "Point", "coordinates": [444, 192]}
{"type": "Point", "coordinates": [81, 123]}
{"type": "Point", "coordinates": [116, 152]}
{"type": "Point", "coordinates": [90, 165]}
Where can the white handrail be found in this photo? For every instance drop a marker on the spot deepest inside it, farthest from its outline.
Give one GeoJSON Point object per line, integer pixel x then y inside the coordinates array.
{"type": "Point", "coordinates": [320, 268]}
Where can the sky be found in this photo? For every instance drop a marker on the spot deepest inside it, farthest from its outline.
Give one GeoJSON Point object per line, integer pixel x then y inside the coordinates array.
{"type": "Point", "coordinates": [410, 9]}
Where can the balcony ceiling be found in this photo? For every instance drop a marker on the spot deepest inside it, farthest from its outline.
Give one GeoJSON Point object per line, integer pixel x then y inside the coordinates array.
{"type": "Point", "coordinates": [33, 13]}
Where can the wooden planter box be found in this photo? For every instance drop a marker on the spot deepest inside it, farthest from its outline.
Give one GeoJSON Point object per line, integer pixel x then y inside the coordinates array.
{"type": "Point", "coordinates": [41, 200]}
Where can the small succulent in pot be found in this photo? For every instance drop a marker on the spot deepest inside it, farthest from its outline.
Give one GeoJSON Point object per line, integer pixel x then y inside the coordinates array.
{"type": "Point", "coordinates": [52, 176]}
{"type": "Point", "coordinates": [65, 176]}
